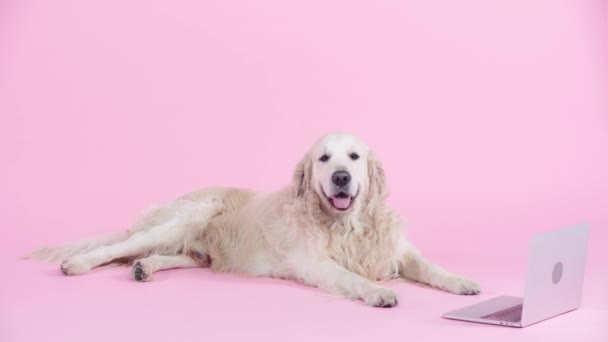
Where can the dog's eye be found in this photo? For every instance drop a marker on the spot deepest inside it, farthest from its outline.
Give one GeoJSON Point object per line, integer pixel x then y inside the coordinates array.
{"type": "Point", "coordinates": [354, 156]}
{"type": "Point", "coordinates": [324, 158]}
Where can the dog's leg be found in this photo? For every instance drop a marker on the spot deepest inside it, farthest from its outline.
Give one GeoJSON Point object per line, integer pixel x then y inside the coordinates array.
{"type": "Point", "coordinates": [143, 268]}
{"type": "Point", "coordinates": [326, 274]}
{"type": "Point", "coordinates": [187, 216]}
{"type": "Point", "coordinates": [136, 244]}
{"type": "Point", "coordinates": [414, 266]}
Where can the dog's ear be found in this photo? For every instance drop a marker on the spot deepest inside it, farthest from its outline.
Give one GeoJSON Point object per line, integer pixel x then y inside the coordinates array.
{"type": "Point", "coordinates": [377, 180]}
{"type": "Point", "coordinates": [302, 175]}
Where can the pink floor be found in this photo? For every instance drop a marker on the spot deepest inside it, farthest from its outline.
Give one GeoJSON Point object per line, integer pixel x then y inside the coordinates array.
{"type": "Point", "coordinates": [38, 303]}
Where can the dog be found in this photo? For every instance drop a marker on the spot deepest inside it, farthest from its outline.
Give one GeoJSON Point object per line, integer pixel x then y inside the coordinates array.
{"type": "Point", "coordinates": [330, 229]}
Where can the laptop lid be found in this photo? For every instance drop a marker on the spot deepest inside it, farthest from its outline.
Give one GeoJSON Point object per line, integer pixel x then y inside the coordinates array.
{"type": "Point", "coordinates": [556, 267]}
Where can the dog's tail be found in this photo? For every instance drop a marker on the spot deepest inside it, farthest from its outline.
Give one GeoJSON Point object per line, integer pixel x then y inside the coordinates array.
{"type": "Point", "coordinates": [62, 252]}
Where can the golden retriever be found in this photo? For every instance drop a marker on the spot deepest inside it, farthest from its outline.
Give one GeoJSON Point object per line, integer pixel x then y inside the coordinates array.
{"type": "Point", "coordinates": [330, 229]}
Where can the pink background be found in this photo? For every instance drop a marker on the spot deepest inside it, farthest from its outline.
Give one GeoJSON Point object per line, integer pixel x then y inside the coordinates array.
{"type": "Point", "coordinates": [491, 118]}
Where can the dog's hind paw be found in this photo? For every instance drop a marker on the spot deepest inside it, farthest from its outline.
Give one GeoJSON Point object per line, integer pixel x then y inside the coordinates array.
{"type": "Point", "coordinates": [141, 271]}
{"type": "Point", "coordinates": [75, 265]}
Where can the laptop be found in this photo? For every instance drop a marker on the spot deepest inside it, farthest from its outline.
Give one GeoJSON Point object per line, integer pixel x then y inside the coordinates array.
{"type": "Point", "coordinates": [554, 282]}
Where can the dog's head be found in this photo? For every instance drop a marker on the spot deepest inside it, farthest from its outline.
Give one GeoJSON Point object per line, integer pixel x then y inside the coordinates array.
{"type": "Point", "coordinates": [342, 171]}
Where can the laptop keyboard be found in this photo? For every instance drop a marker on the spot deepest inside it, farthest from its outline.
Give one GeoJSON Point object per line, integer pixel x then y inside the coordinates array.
{"type": "Point", "coordinates": [512, 314]}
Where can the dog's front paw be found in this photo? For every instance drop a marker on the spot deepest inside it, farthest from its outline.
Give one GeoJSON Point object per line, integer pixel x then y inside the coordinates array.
{"type": "Point", "coordinates": [75, 265]}
{"type": "Point", "coordinates": [142, 270]}
{"type": "Point", "coordinates": [461, 286]}
{"type": "Point", "coordinates": [381, 297]}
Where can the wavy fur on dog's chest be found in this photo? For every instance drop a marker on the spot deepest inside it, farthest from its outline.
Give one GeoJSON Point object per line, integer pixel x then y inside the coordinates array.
{"type": "Point", "coordinates": [369, 253]}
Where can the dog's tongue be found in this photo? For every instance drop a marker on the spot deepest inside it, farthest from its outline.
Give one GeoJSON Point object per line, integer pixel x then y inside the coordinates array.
{"type": "Point", "coordinates": [341, 202]}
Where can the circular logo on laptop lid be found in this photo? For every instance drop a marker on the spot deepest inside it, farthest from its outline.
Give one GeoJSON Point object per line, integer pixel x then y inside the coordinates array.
{"type": "Point", "coordinates": [558, 271]}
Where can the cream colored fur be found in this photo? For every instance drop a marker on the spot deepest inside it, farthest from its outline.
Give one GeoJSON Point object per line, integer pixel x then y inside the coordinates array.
{"type": "Point", "coordinates": [296, 233]}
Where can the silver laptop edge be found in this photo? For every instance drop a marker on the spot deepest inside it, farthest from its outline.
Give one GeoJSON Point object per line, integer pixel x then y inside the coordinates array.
{"type": "Point", "coordinates": [554, 282]}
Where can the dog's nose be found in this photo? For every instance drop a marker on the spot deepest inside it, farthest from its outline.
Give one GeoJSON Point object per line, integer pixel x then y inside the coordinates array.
{"type": "Point", "coordinates": [340, 178]}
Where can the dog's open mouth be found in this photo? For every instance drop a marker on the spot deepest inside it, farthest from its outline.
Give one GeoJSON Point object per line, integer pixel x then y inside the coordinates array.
{"type": "Point", "coordinates": [341, 201]}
